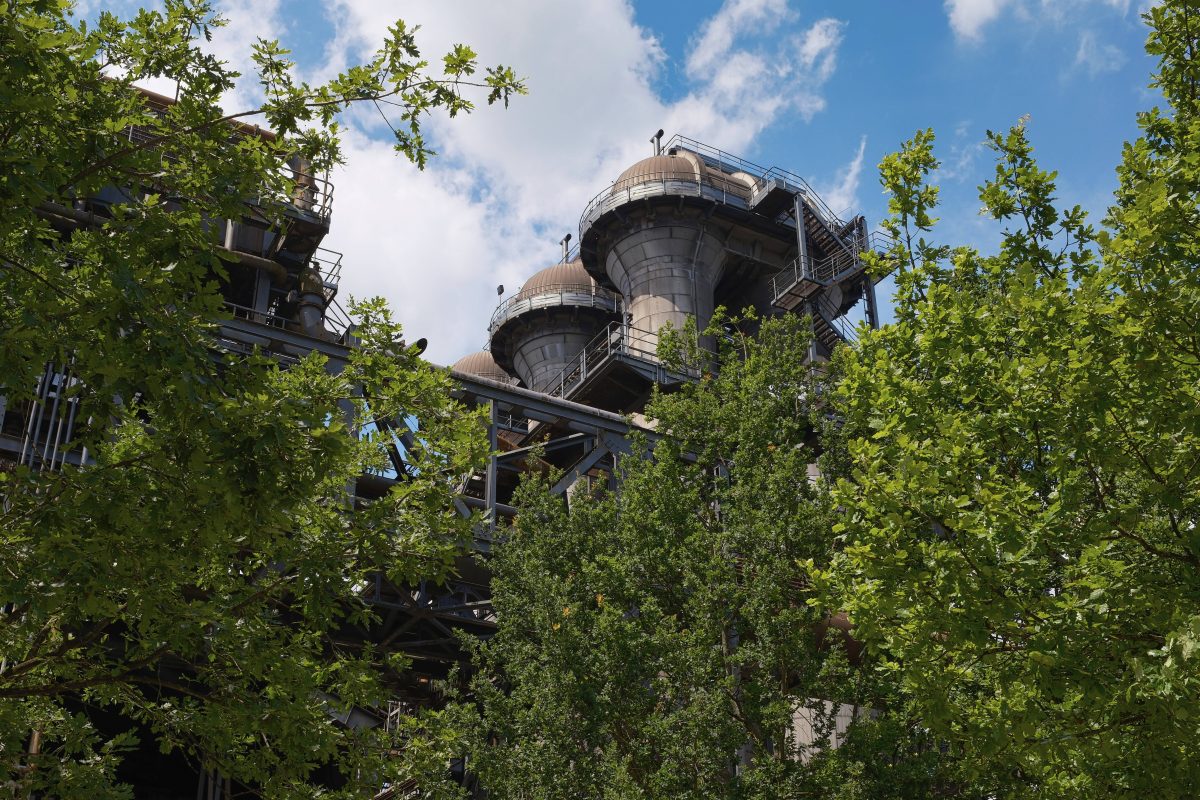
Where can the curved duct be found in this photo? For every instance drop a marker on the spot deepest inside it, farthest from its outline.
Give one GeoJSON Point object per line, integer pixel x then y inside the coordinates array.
{"type": "Point", "coordinates": [312, 305]}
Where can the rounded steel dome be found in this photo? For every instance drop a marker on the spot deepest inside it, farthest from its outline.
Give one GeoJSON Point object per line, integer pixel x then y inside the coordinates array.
{"type": "Point", "coordinates": [656, 168]}
{"type": "Point", "coordinates": [483, 365]}
{"type": "Point", "coordinates": [562, 277]}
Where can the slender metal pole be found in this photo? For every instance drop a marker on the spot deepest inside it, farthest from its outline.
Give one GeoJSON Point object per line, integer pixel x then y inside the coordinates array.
{"type": "Point", "coordinates": [491, 465]}
{"type": "Point", "coordinates": [812, 342]}
{"type": "Point", "coordinates": [35, 416]}
{"type": "Point", "coordinates": [68, 420]}
{"type": "Point", "coordinates": [801, 237]}
{"type": "Point", "coordinates": [53, 416]}
{"type": "Point", "coordinates": [869, 287]}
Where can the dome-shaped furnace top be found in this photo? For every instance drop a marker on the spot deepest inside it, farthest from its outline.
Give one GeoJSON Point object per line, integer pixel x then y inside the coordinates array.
{"type": "Point", "coordinates": [568, 277]}
{"type": "Point", "coordinates": [483, 365]}
{"type": "Point", "coordinates": [657, 168]}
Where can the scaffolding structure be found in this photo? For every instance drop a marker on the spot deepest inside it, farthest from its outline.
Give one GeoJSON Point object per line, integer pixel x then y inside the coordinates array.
{"type": "Point", "coordinates": [574, 351]}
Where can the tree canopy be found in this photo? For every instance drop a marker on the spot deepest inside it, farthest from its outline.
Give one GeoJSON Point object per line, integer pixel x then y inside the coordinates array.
{"type": "Point", "coordinates": [655, 640]}
{"type": "Point", "coordinates": [1007, 505]}
{"type": "Point", "coordinates": [187, 578]}
{"type": "Point", "coordinates": [1020, 539]}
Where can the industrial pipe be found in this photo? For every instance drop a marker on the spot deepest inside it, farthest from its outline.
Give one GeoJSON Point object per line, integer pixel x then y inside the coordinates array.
{"type": "Point", "coordinates": [312, 305]}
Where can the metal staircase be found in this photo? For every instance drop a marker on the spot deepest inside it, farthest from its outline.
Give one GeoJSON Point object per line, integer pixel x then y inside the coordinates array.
{"type": "Point", "coordinates": [827, 286]}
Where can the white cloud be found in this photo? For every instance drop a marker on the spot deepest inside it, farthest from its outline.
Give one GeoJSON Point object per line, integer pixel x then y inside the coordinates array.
{"type": "Point", "coordinates": [1097, 57]}
{"type": "Point", "coordinates": [819, 45]}
{"type": "Point", "coordinates": [734, 18]}
{"type": "Point", "coordinates": [968, 17]}
{"type": "Point", "coordinates": [959, 163]}
{"type": "Point", "coordinates": [842, 195]}
{"type": "Point", "coordinates": [507, 185]}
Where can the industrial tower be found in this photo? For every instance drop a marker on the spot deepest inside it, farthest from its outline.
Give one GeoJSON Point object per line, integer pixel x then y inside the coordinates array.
{"type": "Point", "coordinates": [674, 236]}
{"type": "Point", "coordinates": [569, 354]}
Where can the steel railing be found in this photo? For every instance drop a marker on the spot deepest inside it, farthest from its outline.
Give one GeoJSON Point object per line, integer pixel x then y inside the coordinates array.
{"type": "Point", "coordinates": [714, 185]}
{"type": "Point", "coordinates": [261, 317]}
{"type": "Point", "coordinates": [553, 295]}
{"type": "Point", "coordinates": [722, 160]}
{"type": "Point", "coordinates": [829, 270]}
{"type": "Point", "coordinates": [656, 184]}
{"type": "Point", "coordinates": [329, 264]}
{"type": "Point", "coordinates": [617, 339]}
{"type": "Point", "coordinates": [336, 319]}
{"type": "Point", "coordinates": [832, 316]}
{"type": "Point", "coordinates": [310, 193]}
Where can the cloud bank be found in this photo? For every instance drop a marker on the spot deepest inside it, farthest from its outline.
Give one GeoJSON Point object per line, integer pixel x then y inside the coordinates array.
{"type": "Point", "coordinates": [969, 18]}
{"type": "Point", "coordinates": [508, 185]}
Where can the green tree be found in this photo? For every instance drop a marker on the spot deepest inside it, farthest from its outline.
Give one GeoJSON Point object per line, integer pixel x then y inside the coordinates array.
{"type": "Point", "coordinates": [657, 641]}
{"type": "Point", "coordinates": [190, 577]}
{"type": "Point", "coordinates": [1020, 540]}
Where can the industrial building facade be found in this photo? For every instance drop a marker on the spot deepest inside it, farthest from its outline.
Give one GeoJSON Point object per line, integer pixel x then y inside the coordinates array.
{"type": "Point", "coordinates": [572, 357]}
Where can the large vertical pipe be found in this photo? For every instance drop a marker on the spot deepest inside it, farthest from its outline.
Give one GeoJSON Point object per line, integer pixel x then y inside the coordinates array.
{"type": "Point", "coordinates": [667, 270]}
{"type": "Point", "coordinates": [312, 304]}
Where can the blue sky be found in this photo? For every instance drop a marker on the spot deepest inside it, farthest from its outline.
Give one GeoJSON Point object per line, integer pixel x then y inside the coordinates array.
{"type": "Point", "coordinates": [825, 89]}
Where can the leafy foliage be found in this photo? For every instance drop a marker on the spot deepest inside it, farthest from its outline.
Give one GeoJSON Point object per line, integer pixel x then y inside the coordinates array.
{"type": "Point", "coordinates": [656, 641]}
{"type": "Point", "coordinates": [1020, 541]}
{"type": "Point", "coordinates": [192, 578]}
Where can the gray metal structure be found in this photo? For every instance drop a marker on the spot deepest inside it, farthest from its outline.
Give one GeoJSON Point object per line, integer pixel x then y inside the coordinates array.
{"type": "Point", "coordinates": [673, 237]}
{"type": "Point", "coordinates": [693, 227]}
{"type": "Point", "coordinates": [539, 330]}
{"type": "Point", "coordinates": [570, 354]}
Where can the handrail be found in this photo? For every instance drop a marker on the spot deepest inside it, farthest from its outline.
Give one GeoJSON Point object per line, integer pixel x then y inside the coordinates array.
{"type": "Point", "coordinates": [830, 269]}
{"type": "Point", "coordinates": [335, 314]}
{"type": "Point", "coordinates": [652, 184]}
{"type": "Point", "coordinates": [722, 189]}
{"type": "Point", "coordinates": [829, 314]}
{"type": "Point", "coordinates": [617, 338]}
{"type": "Point", "coordinates": [329, 264]}
{"type": "Point", "coordinates": [565, 294]}
{"type": "Point", "coordinates": [724, 159]}
{"type": "Point", "coordinates": [336, 319]}
{"type": "Point", "coordinates": [261, 317]}
{"type": "Point", "coordinates": [311, 193]}
{"type": "Point", "coordinates": [610, 340]}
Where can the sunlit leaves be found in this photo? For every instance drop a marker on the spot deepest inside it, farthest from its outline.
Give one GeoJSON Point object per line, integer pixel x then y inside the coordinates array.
{"type": "Point", "coordinates": [656, 641]}
{"type": "Point", "coordinates": [193, 578]}
{"type": "Point", "coordinates": [1028, 429]}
